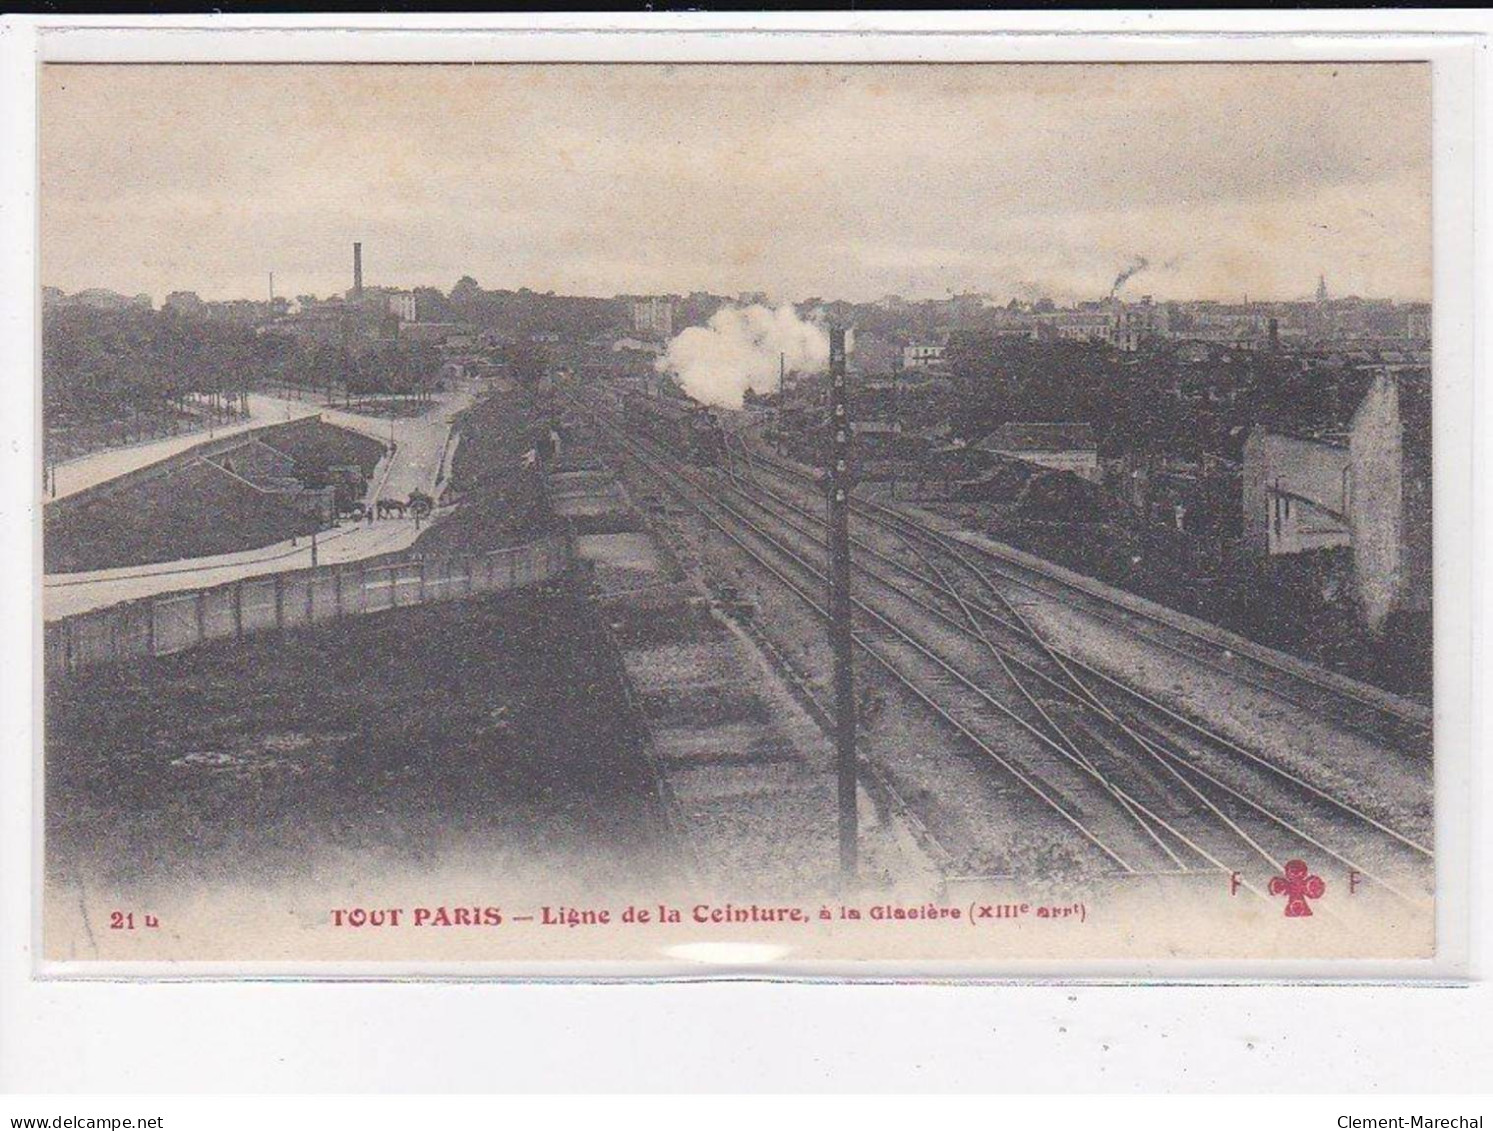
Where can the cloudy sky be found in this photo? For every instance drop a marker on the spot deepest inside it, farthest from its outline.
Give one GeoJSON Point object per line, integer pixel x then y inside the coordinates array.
{"type": "Point", "coordinates": [848, 182]}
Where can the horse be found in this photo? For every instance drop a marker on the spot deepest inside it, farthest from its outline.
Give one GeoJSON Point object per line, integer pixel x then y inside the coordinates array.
{"type": "Point", "coordinates": [386, 507]}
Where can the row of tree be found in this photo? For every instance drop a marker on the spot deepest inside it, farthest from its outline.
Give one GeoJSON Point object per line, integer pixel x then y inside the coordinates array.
{"type": "Point", "coordinates": [100, 366]}
{"type": "Point", "coordinates": [105, 365]}
{"type": "Point", "coordinates": [402, 369]}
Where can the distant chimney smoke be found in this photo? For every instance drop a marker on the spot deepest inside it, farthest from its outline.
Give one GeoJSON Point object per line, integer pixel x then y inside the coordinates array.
{"type": "Point", "coordinates": [357, 270]}
{"type": "Point", "coordinates": [1134, 267]}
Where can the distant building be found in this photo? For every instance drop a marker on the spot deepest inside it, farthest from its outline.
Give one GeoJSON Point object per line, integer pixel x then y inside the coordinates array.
{"type": "Point", "coordinates": [1134, 323]}
{"type": "Point", "coordinates": [1418, 324]}
{"type": "Point", "coordinates": [324, 322]}
{"type": "Point", "coordinates": [375, 300]}
{"type": "Point", "coordinates": [1372, 495]}
{"type": "Point", "coordinates": [653, 316]}
{"type": "Point", "coordinates": [1232, 324]}
{"type": "Point", "coordinates": [1295, 494]}
{"type": "Point", "coordinates": [925, 355]}
{"type": "Point", "coordinates": [355, 325]}
{"type": "Point", "coordinates": [1079, 325]}
{"type": "Point", "coordinates": [1059, 446]}
{"type": "Point", "coordinates": [402, 305]}
{"type": "Point", "coordinates": [1389, 502]}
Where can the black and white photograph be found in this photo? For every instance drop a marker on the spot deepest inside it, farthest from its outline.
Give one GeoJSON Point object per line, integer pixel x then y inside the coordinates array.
{"type": "Point", "coordinates": [952, 514]}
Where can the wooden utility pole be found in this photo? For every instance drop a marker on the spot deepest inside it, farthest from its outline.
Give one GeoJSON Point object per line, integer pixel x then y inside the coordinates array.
{"type": "Point", "coordinates": [841, 641]}
{"type": "Point", "coordinates": [896, 438]}
{"type": "Point", "coordinates": [782, 373]}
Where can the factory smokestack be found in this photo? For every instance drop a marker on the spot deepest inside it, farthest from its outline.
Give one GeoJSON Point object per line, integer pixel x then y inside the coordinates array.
{"type": "Point", "coordinates": [357, 270]}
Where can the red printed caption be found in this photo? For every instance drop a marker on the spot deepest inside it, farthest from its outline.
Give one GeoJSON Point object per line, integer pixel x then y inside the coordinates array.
{"type": "Point", "coordinates": [129, 921]}
{"type": "Point", "coordinates": [703, 914]}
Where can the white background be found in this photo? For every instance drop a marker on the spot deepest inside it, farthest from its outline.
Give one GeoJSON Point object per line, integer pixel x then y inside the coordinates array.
{"type": "Point", "coordinates": [164, 1037]}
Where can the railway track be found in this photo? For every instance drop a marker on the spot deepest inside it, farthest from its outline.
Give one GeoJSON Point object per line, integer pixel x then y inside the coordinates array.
{"type": "Point", "coordinates": [1008, 616]}
{"type": "Point", "coordinates": [1138, 787]}
{"type": "Point", "coordinates": [1381, 716]}
{"type": "Point", "coordinates": [919, 671]}
{"type": "Point", "coordinates": [1199, 762]}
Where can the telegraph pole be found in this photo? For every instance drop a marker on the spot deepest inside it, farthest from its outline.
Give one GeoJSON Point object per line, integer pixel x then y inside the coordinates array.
{"type": "Point", "coordinates": [782, 372]}
{"type": "Point", "coordinates": [841, 640]}
{"type": "Point", "coordinates": [896, 421]}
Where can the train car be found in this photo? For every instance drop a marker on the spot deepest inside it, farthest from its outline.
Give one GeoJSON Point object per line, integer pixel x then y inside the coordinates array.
{"type": "Point", "coordinates": [686, 427]}
{"type": "Point", "coordinates": [707, 442]}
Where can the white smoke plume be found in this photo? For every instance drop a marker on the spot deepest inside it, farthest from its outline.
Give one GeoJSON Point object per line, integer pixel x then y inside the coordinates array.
{"type": "Point", "coordinates": [739, 349]}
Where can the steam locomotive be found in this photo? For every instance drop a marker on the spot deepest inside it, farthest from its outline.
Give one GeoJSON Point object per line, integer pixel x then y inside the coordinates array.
{"type": "Point", "coordinates": [686, 427]}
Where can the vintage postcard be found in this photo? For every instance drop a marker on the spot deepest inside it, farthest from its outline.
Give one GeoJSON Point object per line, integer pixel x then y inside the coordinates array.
{"type": "Point", "coordinates": [885, 517]}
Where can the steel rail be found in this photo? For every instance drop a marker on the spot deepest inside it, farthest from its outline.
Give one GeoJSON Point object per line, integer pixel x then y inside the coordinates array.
{"type": "Point", "coordinates": [1064, 658]}
{"type": "Point", "coordinates": [965, 681]}
{"type": "Point", "coordinates": [943, 859]}
{"type": "Point", "coordinates": [954, 673]}
{"type": "Point", "coordinates": [1171, 760]}
{"type": "Point", "coordinates": [873, 509]}
{"type": "Point", "coordinates": [1052, 724]}
{"type": "Point", "coordinates": [1168, 759]}
{"type": "Point", "coordinates": [900, 676]}
{"type": "Point", "coordinates": [1088, 702]}
{"type": "Point", "coordinates": [1165, 757]}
